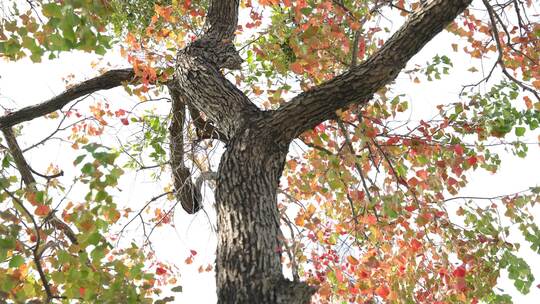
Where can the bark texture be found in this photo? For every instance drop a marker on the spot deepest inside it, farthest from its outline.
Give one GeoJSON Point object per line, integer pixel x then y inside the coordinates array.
{"type": "Point", "coordinates": [248, 256]}
{"type": "Point", "coordinates": [186, 193]}
{"type": "Point", "coordinates": [310, 108]}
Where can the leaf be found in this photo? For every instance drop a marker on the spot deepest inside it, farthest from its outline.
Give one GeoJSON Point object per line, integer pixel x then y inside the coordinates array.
{"type": "Point", "coordinates": [297, 68]}
{"type": "Point", "coordinates": [42, 210]}
{"type": "Point", "coordinates": [52, 10]}
{"type": "Point", "coordinates": [352, 260]}
{"type": "Point", "coordinates": [416, 245]}
{"type": "Point", "coordinates": [460, 272]}
{"type": "Point", "coordinates": [382, 291]}
{"type": "Point", "coordinates": [520, 131]}
{"type": "Point", "coordinates": [79, 159]}
{"type": "Point", "coordinates": [458, 149]}
{"type": "Point", "coordinates": [161, 271]}
{"type": "Point", "coordinates": [16, 261]}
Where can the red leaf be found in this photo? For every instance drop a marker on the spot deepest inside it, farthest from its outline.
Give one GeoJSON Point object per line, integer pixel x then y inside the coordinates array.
{"type": "Point", "coordinates": [392, 140]}
{"type": "Point", "coordinates": [339, 275]}
{"type": "Point", "coordinates": [413, 182]}
{"type": "Point", "coordinates": [472, 160]}
{"type": "Point", "coordinates": [461, 285]}
{"type": "Point", "coordinates": [382, 291]}
{"type": "Point", "coordinates": [193, 252]}
{"type": "Point", "coordinates": [120, 112]}
{"type": "Point", "coordinates": [124, 121]}
{"type": "Point", "coordinates": [42, 210]}
{"type": "Point", "coordinates": [460, 272]}
{"type": "Point", "coordinates": [458, 149]}
{"type": "Point", "coordinates": [452, 181]}
{"type": "Point", "coordinates": [410, 208]}
{"type": "Point", "coordinates": [161, 271]}
{"type": "Point", "coordinates": [416, 245]}
{"type": "Point", "coordinates": [423, 174]}
{"type": "Point", "coordinates": [82, 291]}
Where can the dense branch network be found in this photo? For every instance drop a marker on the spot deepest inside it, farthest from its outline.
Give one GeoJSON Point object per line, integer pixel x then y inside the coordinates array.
{"type": "Point", "coordinates": [199, 89]}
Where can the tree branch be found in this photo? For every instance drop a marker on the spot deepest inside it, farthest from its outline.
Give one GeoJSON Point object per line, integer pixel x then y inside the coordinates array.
{"type": "Point", "coordinates": [30, 182]}
{"type": "Point", "coordinates": [222, 18]}
{"type": "Point", "coordinates": [106, 81]}
{"type": "Point", "coordinates": [312, 107]}
{"type": "Point", "coordinates": [185, 190]}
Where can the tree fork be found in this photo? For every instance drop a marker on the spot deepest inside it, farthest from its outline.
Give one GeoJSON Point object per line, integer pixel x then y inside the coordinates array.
{"type": "Point", "coordinates": [248, 264]}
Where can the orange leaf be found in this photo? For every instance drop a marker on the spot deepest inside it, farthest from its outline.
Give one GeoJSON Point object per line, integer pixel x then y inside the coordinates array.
{"type": "Point", "coordinates": [299, 220]}
{"type": "Point", "coordinates": [297, 68]}
{"type": "Point", "coordinates": [352, 260]}
{"type": "Point", "coordinates": [42, 210]}
{"type": "Point", "coordinates": [382, 291]}
{"type": "Point", "coordinates": [528, 102]}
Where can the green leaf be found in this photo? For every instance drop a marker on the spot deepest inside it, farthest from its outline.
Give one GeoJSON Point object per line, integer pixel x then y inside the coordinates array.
{"type": "Point", "coordinates": [7, 243]}
{"type": "Point", "coordinates": [16, 261]}
{"type": "Point", "coordinates": [176, 289]}
{"type": "Point", "coordinates": [88, 169]}
{"type": "Point", "coordinates": [78, 160]}
{"type": "Point", "coordinates": [52, 10]}
{"type": "Point", "coordinates": [101, 195]}
{"type": "Point", "coordinates": [520, 131]}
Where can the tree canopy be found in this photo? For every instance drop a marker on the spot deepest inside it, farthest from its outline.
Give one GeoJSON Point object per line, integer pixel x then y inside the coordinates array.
{"type": "Point", "coordinates": [287, 113]}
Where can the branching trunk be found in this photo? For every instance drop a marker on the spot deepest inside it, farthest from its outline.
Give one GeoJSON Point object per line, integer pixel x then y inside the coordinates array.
{"type": "Point", "coordinates": [248, 262]}
{"type": "Point", "coordinates": [248, 256]}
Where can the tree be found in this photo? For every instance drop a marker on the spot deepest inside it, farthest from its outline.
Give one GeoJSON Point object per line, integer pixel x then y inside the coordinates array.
{"type": "Point", "coordinates": [404, 243]}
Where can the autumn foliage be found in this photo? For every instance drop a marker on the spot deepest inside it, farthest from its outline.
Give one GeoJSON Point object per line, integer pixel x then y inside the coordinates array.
{"type": "Point", "coordinates": [369, 200]}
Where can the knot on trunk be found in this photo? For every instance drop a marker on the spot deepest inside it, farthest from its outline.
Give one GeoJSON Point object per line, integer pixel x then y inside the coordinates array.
{"type": "Point", "coordinates": [218, 52]}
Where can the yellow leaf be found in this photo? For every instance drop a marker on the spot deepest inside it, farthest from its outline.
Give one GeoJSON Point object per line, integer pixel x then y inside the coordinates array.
{"type": "Point", "coordinates": [352, 260]}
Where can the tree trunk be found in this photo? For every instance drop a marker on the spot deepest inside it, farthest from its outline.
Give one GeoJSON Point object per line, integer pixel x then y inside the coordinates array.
{"type": "Point", "coordinates": [248, 264]}
{"type": "Point", "coordinates": [249, 249]}
{"type": "Point", "coordinates": [248, 256]}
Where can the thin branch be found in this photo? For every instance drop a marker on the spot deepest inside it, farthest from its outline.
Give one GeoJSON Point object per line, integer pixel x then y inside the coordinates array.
{"type": "Point", "coordinates": [106, 81]}
{"type": "Point", "coordinates": [500, 50]}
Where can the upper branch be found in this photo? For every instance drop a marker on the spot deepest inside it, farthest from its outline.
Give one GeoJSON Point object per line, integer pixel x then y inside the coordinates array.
{"type": "Point", "coordinates": [106, 81]}
{"type": "Point", "coordinates": [312, 107]}
{"type": "Point", "coordinates": [222, 18]}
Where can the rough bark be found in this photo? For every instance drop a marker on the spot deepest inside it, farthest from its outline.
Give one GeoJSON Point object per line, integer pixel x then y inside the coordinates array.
{"type": "Point", "coordinates": [248, 256]}
{"type": "Point", "coordinates": [312, 107]}
{"type": "Point", "coordinates": [186, 192]}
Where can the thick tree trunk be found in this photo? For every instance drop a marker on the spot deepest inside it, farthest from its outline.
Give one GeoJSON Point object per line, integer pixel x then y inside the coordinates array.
{"type": "Point", "coordinates": [248, 256]}
{"type": "Point", "coordinates": [248, 262]}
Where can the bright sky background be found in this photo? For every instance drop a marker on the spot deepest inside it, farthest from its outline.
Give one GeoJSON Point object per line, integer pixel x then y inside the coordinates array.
{"type": "Point", "coordinates": [25, 83]}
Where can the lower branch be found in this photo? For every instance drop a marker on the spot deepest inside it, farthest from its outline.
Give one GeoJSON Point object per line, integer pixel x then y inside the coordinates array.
{"type": "Point", "coordinates": [106, 81]}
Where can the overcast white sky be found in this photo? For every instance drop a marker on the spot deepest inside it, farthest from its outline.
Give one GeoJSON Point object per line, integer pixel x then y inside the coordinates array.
{"type": "Point", "coordinates": [24, 83]}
